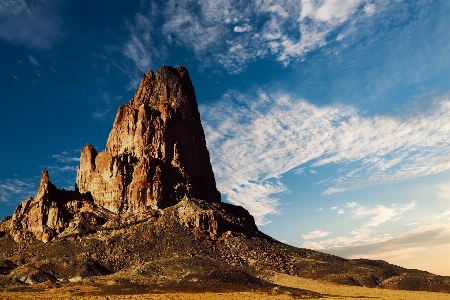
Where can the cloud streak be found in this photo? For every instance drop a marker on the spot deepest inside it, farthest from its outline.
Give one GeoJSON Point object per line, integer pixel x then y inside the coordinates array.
{"type": "Point", "coordinates": [33, 60]}
{"type": "Point", "coordinates": [315, 234]}
{"type": "Point", "coordinates": [13, 191]}
{"type": "Point", "coordinates": [356, 237]}
{"type": "Point", "coordinates": [65, 157]}
{"type": "Point", "coordinates": [399, 246]}
{"type": "Point", "coordinates": [380, 213]}
{"type": "Point", "coordinates": [235, 33]}
{"type": "Point", "coordinates": [255, 139]}
{"type": "Point", "coordinates": [33, 24]}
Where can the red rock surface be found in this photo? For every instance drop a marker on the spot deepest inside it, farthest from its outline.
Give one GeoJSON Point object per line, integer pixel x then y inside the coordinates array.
{"type": "Point", "coordinates": [156, 152]}
{"type": "Point", "coordinates": [55, 212]}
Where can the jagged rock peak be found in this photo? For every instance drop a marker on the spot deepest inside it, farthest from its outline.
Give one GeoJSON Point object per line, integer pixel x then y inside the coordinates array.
{"type": "Point", "coordinates": [45, 186]}
{"type": "Point", "coordinates": [177, 81]}
{"type": "Point", "coordinates": [156, 152]}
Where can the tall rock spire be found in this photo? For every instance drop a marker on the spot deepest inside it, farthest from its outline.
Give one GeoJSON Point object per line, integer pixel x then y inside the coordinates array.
{"type": "Point", "coordinates": [45, 186]}
{"type": "Point", "coordinates": [156, 152]}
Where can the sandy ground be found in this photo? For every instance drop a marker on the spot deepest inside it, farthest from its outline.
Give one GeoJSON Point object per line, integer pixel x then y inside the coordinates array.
{"type": "Point", "coordinates": [334, 291]}
{"type": "Point", "coordinates": [320, 290]}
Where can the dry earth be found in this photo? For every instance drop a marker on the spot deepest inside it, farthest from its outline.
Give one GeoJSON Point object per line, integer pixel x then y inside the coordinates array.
{"type": "Point", "coordinates": [280, 286]}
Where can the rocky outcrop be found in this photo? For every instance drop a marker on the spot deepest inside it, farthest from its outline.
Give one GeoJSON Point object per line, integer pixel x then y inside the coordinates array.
{"type": "Point", "coordinates": [52, 212]}
{"type": "Point", "coordinates": [155, 158]}
{"type": "Point", "coordinates": [156, 152]}
{"type": "Point", "coordinates": [214, 220]}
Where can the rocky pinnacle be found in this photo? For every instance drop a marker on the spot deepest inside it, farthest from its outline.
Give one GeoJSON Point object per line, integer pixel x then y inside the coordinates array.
{"type": "Point", "coordinates": [155, 158]}
{"type": "Point", "coordinates": [156, 152]}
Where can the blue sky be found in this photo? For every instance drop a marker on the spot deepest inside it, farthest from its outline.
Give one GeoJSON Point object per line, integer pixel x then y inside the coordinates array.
{"type": "Point", "coordinates": [328, 120]}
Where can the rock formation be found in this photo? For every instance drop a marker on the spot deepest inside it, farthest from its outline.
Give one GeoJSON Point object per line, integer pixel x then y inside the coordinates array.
{"type": "Point", "coordinates": [52, 212]}
{"type": "Point", "coordinates": [156, 152]}
{"type": "Point", "coordinates": [155, 157]}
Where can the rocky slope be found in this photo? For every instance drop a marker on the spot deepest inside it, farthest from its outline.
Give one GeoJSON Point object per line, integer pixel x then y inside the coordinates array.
{"type": "Point", "coordinates": [147, 210]}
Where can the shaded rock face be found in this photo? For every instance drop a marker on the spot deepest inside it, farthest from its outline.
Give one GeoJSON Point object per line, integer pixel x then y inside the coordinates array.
{"type": "Point", "coordinates": [156, 152]}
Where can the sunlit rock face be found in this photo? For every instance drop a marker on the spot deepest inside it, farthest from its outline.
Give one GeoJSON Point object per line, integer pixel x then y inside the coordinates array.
{"type": "Point", "coordinates": [156, 152]}
{"type": "Point", "coordinates": [54, 212]}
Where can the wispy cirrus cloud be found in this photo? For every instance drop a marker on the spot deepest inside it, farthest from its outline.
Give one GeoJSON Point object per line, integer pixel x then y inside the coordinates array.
{"type": "Point", "coordinates": [66, 157]}
{"type": "Point", "coordinates": [140, 43]}
{"type": "Point", "coordinates": [432, 235]}
{"type": "Point", "coordinates": [409, 249]}
{"type": "Point", "coordinates": [101, 114]}
{"type": "Point", "coordinates": [33, 60]}
{"type": "Point", "coordinates": [13, 191]}
{"type": "Point", "coordinates": [62, 168]}
{"type": "Point", "coordinates": [235, 33]}
{"type": "Point", "coordinates": [255, 139]}
{"type": "Point", "coordinates": [443, 190]}
{"type": "Point", "coordinates": [361, 236]}
{"type": "Point", "coordinates": [315, 234]}
{"type": "Point", "coordinates": [67, 162]}
{"type": "Point", "coordinates": [380, 213]}
{"type": "Point", "coordinates": [142, 47]}
{"type": "Point", "coordinates": [35, 24]}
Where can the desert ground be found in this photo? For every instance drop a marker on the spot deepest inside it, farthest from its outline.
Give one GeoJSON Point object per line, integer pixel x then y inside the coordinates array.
{"type": "Point", "coordinates": [286, 287]}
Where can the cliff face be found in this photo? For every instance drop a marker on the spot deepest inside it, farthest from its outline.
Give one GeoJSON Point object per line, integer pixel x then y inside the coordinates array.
{"type": "Point", "coordinates": [156, 152]}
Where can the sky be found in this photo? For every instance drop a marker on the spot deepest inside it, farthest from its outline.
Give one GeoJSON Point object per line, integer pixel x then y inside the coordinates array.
{"type": "Point", "coordinates": [329, 120]}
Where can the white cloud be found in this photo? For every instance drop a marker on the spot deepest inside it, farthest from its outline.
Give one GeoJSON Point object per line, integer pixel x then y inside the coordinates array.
{"type": "Point", "coordinates": [101, 114]}
{"type": "Point", "coordinates": [329, 11]}
{"type": "Point", "coordinates": [340, 212]}
{"type": "Point", "coordinates": [351, 204]}
{"type": "Point", "coordinates": [380, 213]}
{"type": "Point", "coordinates": [66, 158]}
{"type": "Point", "coordinates": [445, 215]}
{"type": "Point", "coordinates": [356, 237]}
{"type": "Point", "coordinates": [334, 208]}
{"type": "Point", "coordinates": [34, 24]}
{"type": "Point", "coordinates": [62, 168]}
{"type": "Point", "coordinates": [369, 8]}
{"type": "Point", "coordinates": [317, 210]}
{"type": "Point", "coordinates": [68, 164]}
{"type": "Point", "coordinates": [244, 28]}
{"type": "Point", "coordinates": [315, 234]}
{"type": "Point", "coordinates": [287, 29]}
{"type": "Point", "coordinates": [236, 48]}
{"type": "Point", "coordinates": [33, 60]}
{"type": "Point", "coordinates": [410, 249]}
{"type": "Point", "coordinates": [299, 171]}
{"type": "Point", "coordinates": [443, 190]}
{"type": "Point", "coordinates": [14, 190]}
{"type": "Point", "coordinates": [140, 47]}
{"type": "Point", "coordinates": [254, 139]}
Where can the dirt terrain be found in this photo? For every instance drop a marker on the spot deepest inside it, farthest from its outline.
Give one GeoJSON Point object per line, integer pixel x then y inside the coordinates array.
{"type": "Point", "coordinates": [161, 258]}
{"type": "Point", "coordinates": [278, 286]}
